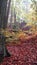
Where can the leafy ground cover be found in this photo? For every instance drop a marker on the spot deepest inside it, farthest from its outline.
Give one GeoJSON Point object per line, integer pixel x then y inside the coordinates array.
{"type": "Point", "coordinates": [24, 53]}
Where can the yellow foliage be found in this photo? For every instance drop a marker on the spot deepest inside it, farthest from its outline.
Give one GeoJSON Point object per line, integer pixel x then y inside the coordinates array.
{"type": "Point", "coordinates": [21, 34]}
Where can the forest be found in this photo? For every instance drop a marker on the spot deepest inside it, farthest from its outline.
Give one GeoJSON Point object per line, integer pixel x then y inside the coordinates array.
{"type": "Point", "coordinates": [18, 32]}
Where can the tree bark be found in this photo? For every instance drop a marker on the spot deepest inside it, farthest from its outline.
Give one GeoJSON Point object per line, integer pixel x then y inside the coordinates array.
{"type": "Point", "coordinates": [3, 24]}
{"type": "Point", "coordinates": [3, 16]}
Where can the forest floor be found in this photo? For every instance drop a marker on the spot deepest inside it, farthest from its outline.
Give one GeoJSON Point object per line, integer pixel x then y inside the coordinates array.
{"type": "Point", "coordinates": [24, 53]}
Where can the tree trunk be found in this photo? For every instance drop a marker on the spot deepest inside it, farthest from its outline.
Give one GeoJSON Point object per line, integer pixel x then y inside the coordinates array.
{"type": "Point", "coordinates": [3, 13]}
{"type": "Point", "coordinates": [3, 24]}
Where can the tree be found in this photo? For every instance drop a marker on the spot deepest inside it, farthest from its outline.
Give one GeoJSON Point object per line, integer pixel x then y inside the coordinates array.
{"type": "Point", "coordinates": [4, 13]}
{"type": "Point", "coordinates": [3, 24]}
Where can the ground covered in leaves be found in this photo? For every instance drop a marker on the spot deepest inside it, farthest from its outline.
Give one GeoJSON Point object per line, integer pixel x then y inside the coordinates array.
{"type": "Point", "coordinates": [22, 54]}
